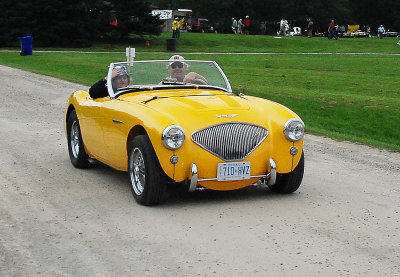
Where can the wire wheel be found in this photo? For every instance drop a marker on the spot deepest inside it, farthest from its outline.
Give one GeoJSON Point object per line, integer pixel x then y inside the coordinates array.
{"type": "Point", "coordinates": [148, 180]}
{"type": "Point", "coordinates": [76, 148]}
{"type": "Point", "coordinates": [137, 171]}
{"type": "Point", "coordinates": [74, 139]}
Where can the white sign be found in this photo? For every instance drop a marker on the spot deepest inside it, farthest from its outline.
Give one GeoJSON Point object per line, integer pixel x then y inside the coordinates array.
{"type": "Point", "coordinates": [164, 14]}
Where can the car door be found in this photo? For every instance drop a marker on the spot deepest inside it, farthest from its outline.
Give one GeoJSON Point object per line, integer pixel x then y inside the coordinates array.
{"type": "Point", "coordinates": [90, 119]}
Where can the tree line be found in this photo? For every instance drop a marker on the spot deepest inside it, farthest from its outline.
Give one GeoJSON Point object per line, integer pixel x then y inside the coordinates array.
{"type": "Point", "coordinates": [75, 23]}
{"type": "Point", "coordinates": [79, 23]}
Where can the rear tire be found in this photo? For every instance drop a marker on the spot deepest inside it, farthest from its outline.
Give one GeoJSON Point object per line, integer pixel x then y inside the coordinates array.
{"type": "Point", "coordinates": [76, 148]}
{"type": "Point", "coordinates": [148, 180]}
{"type": "Point", "coordinates": [290, 182]}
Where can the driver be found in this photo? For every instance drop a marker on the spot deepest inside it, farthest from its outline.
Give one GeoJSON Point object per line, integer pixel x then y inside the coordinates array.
{"type": "Point", "coordinates": [177, 69]}
{"type": "Point", "coordinates": [119, 79]}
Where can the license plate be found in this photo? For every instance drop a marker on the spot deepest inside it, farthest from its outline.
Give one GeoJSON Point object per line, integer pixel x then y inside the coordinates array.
{"type": "Point", "coordinates": [233, 171]}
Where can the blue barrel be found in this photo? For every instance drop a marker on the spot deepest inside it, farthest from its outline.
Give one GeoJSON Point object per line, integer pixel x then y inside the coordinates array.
{"type": "Point", "coordinates": [26, 45]}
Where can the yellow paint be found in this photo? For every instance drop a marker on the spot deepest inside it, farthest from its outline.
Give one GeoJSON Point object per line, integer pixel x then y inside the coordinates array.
{"type": "Point", "coordinates": [108, 141]}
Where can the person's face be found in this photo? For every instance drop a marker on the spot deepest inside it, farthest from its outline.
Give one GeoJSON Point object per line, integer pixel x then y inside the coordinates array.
{"type": "Point", "coordinates": [177, 70]}
{"type": "Point", "coordinates": [121, 81]}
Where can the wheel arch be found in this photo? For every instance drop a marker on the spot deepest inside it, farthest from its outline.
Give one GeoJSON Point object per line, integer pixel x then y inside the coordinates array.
{"type": "Point", "coordinates": [69, 111]}
{"type": "Point", "coordinates": [136, 130]}
{"type": "Point", "coordinates": [162, 154]}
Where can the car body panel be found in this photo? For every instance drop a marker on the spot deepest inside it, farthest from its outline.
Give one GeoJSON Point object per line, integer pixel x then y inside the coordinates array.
{"type": "Point", "coordinates": [111, 146]}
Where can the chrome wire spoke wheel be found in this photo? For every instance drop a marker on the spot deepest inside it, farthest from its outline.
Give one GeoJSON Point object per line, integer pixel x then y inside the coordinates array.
{"type": "Point", "coordinates": [74, 140]}
{"type": "Point", "coordinates": [137, 171]}
{"type": "Point", "coordinates": [76, 148]}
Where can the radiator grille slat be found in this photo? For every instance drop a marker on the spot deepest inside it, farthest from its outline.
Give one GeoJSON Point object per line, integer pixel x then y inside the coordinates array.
{"type": "Point", "coordinates": [231, 141]}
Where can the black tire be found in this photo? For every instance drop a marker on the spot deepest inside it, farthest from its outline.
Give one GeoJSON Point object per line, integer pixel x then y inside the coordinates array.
{"type": "Point", "coordinates": [290, 182]}
{"type": "Point", "coordinates": [76, 148]}
{"type": "Point", "coordinates": [148, 180]}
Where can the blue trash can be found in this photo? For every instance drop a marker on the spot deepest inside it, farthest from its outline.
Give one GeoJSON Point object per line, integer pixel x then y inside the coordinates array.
{"type": "Point", "coordinates": [26, 45]}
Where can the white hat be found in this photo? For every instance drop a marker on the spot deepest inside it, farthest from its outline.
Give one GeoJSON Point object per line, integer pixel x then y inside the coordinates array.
{"type": "Point", "coordinates": [176, 58]}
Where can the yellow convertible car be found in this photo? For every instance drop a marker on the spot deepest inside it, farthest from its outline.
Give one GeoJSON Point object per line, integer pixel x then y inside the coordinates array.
{"type": "Point", "coordinates": [178, 121]}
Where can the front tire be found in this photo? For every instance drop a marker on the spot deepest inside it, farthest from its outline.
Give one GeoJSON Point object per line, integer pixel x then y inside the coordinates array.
{"type": "Point", "coordinates": [289, 182]}
{"type": "Point", "coordinates": [148, 180]}
{"type": "Point", "coordinates": [76, 148]}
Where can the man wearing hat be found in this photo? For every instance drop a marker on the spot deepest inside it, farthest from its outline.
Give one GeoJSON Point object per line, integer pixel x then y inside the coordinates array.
{"type": "Point", "coordinates": [177, 68]}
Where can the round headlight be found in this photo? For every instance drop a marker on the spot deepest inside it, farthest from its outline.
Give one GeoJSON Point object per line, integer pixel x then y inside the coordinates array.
{"type": "Point", "coordinates": [294, 129]}
{"type": "Point", "coordinates": [173, 137]}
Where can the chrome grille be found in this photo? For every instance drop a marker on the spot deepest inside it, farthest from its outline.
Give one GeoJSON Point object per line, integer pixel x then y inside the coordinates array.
{"type": "Point", "coordinates": [230, 141]}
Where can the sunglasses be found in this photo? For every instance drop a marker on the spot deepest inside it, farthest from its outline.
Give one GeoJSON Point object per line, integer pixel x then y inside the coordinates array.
{"type": "Point", "coordinates": [176, 64]}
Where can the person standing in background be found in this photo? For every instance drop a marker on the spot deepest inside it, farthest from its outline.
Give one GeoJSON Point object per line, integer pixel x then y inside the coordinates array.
{"type": "Point", "coordinates": [246, 23]}
{"type": "Point", "coordinates": [381, 30]}
{"type": "Point", "coordinates": [310, 26]}
{"type": "Point", "coordinates": [234, 25]}
{"type": "Point", "coordinates": [176, 27]}
{"type": "Point", "coordinates": [282, 27]}
{"type": "Point", "coordinates": [332, 30]}
{"type": "Point", "coordinates": [240, 26]}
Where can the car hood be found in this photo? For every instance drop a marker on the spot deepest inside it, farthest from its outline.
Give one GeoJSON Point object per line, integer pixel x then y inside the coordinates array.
{"type": "Point", "coordinates": [200, 108]}
{"type": "Point", "coordinates": [190, 100]}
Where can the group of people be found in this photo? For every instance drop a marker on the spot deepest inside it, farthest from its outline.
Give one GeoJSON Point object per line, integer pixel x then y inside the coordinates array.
{"type": "Point", "coordinates": [177, 69]}
{"type": "Point", "coordinates": [241, 26]}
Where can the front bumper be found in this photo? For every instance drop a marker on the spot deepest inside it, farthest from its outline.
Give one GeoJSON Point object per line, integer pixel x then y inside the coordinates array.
{"type": "Point", "coordinates": [269, 177]}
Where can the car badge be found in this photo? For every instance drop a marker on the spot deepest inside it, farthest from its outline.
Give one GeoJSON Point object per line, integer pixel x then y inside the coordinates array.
{"type": "Point", "coordinates": [226, 115]}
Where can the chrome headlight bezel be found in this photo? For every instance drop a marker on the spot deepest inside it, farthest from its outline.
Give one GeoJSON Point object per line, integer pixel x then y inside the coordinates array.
{"type": "Point", "coordinates": [173, 137]}
{"type": "Point", "coordinates": [294, 129]}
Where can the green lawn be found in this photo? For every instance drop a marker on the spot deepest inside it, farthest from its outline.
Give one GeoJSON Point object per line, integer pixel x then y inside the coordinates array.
{"type": "Point", "coordinates": [221, 43]}
{"type": "Point", "coordinates": [352, 97]}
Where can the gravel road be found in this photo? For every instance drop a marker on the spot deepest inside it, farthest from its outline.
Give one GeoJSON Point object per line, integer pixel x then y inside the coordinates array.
{"type": "Point", "coordinates": [56, 220]}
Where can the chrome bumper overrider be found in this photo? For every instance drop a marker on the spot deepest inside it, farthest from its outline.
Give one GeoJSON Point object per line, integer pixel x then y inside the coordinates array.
{"type": "Point", "coordinates": [270, 177]}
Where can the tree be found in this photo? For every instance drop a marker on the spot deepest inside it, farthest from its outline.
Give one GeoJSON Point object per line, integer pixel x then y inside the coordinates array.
{"type": "Point", "coordinates": [15, 21]}
{"type": "Point", "coordinates": [375, 13]}
{"type": "Point", "coordinates": [64, 23]}
{"type": "Point", "coordinates": [133, 17]}
{"type": "Point", "coordinates": [73, 23]}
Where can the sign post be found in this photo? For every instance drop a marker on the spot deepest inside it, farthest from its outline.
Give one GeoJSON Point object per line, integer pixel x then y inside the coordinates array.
{"type": "Point", "coordinates": [130, 54]}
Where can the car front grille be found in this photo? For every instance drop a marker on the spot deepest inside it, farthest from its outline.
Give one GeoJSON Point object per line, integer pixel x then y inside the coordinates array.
{"type": "Point", "coordinates": [230, 141]}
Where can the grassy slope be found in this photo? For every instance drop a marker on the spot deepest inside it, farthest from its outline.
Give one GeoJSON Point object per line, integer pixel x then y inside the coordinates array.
{"type": "Point", "coordinates": [354, 97]}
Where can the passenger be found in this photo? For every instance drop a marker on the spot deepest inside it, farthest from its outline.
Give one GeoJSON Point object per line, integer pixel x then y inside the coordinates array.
{"type": "Point", "coordinates": [119, 79]}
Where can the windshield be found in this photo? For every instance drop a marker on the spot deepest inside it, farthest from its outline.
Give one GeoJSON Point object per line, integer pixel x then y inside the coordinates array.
{"type": "Point", "coordinates": [160, 74]}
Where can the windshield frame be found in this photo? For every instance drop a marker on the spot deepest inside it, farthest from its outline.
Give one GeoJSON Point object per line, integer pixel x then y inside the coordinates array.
{"type": "Point", "coordinates": [114, 95]}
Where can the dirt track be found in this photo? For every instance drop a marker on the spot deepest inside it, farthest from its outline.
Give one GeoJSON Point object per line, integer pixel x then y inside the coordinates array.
{"type": "Point", "coordinates": [56, 220]}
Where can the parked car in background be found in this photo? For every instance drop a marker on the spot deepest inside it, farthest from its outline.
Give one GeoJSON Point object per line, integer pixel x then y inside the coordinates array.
{"type": "Point", "coordinates": [202, 25]}
{"type": "Point", "coordinates": [389, 33]}
{"type": "Point", "coordinates": [360, 33]}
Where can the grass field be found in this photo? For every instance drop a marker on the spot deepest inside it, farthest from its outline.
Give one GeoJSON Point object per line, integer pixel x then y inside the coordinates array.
{"type": "Point", "coordinates": [223, 43]}
{"type": "Point", "coordinates": [351, 97]}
